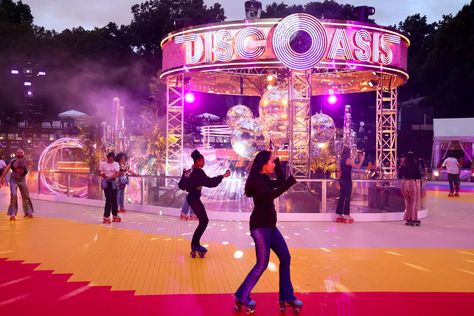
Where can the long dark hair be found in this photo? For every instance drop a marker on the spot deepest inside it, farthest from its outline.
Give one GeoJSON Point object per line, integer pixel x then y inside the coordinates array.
{"type": "Point", "coordinates": [196, 155]}
{"type": "Point", "coordinates": [257, 165]}
{"type": "Point", "coordinates": [346, 154]}
{"type": "Point", "coordinates": [410, 161]}
{"type": "Point", "coordinates": [119, 156]}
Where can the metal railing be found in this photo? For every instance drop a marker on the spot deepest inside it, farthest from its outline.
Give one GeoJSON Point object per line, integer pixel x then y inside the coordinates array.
{"type": "Point", "coordinates": [368, 196]}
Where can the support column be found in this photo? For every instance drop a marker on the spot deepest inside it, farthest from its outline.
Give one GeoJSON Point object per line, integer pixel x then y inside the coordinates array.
{"type": "Point", "coordinates": [174, 125]}
{"type": "Point", "coordinates": [299, 124]}
{"type": "Point", "coordinates": [386, 125]}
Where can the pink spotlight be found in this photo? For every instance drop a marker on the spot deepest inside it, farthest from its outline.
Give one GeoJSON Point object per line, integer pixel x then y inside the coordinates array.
{"type": "Point", "coordinates": [332, 99]}
{"type": "Point", "coordinates": [189, 97]}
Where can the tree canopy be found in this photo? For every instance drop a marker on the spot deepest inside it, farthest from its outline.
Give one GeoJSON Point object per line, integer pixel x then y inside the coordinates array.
{"type": "Point", "coordinates": [84, 67]}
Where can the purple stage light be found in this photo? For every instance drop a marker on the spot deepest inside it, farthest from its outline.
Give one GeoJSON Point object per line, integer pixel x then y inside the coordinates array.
{"type": "Point", "coordinates": [189, 97]}
{"type": "Point", "coordinates": [15, 72]}
{"type": "Point", "coordinates": [332, 99]}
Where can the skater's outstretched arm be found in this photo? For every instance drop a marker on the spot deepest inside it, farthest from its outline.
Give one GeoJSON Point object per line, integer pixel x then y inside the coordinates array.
{"type": "Point", "coordinates": [262, 188]}
{"type": "Point", "coordinates": [201, 179]}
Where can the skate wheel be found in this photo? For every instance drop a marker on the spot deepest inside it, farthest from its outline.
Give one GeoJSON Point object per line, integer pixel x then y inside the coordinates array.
{"type": "Point", "coordinates": [202, 254]}
{"type": "Point", "coordinates": [193, 254]}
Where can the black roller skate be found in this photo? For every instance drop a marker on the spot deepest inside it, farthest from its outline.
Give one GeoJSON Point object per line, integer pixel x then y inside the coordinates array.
{"type": "Point", "coordinates": [198, 250]}
{"type": "Point", "coordinates": [250, 306]}
{"type": "Point", "coordinates": [116, 219]}
{"type": "Point", "coordinates": [297, 305]}
{"type": "Point", "coordinates": [409, 223]}
{"type": "Point", "coordinates": [416, 223]}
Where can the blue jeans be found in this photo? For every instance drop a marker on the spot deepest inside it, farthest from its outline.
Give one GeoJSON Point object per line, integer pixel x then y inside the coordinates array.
{"type": "Point", "coordinates": [185, 209]}
{"type": "Point", "coordinates": [25, 197]}
{"type": "Point", "coordinates": [266, 239]}
{"type": "Point", "coordinates": [121, 197]}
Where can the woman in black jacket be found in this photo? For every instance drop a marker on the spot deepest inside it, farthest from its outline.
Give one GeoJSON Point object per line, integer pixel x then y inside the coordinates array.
{"type": "Point", "coordinates": [410, 175]}
{"type": "Point", "coordinates": [264, 232]}
{"type": "Point", "coordinates": [197, 180]}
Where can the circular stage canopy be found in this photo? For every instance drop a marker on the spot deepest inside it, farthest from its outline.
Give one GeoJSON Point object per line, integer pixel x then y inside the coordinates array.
{"type": "Point", "coordinates": [237, 57]}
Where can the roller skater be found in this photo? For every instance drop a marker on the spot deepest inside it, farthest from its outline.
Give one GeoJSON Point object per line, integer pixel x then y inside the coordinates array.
{"type": "Point", "coordinates": [454, 168]}
{"type": "Point", "coordinates": [263, 228]}
{"type": "Point", "coordinates": [109, 171]}
{"type": "Point", "coordinates": [410, 176]}
{"type": "Point", "coordinates": [197, 180]}
{"type": "Point", "coordinates": [250, 306]}
{"type": "Point", "coordinates": [296, 305]}
{"type": "Point", "coordinates": [200, 250]}
{"type": "Point", "coordinates": [345, 181]}
{"type": "Point", "coordinates": [18, 166]}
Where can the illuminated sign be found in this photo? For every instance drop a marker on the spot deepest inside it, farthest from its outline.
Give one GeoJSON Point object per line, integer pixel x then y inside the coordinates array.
{"type": "Point", "coordinates": [299, 42]}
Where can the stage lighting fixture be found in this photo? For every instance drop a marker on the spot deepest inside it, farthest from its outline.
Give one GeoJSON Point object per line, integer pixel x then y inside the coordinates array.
{"type": "Point", "coordinates": [183, 22]}
{"type": "Point", "coordinates": [15, 72]}
{"type": "Point", "coordinates": [27, 83]}
{"type": "Point", "coordinates": [41, 73]}
{"type": "Point", "coordinates": [253, 9]}
{"type": "Point", "coordinates": [27, 71]}
{"type": "Point", "coordinates": [189, 97]}
{"type": "Point", "coordinates": [29, 93]}
{"type": "Point", "coordinates": [363, 12]}
{"type": "Point", "coordinates": [373, 83]}
{"type": "Point", "coordinates": [332, 99]}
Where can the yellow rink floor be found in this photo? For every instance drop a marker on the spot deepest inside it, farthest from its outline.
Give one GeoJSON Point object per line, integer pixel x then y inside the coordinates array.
{"type": "Point", "coordinates": [129, 259]}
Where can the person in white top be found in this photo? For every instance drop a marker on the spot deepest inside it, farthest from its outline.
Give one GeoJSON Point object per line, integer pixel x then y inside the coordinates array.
{"type": "Point", "coordinates": [109, 171]}
{"type": "Point", "coordinates": [452, 166]}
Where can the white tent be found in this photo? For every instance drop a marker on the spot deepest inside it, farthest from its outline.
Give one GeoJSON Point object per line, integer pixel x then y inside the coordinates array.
{"type": "Point", "coordinates": [208, 116]}
{"type": "Point", "coordinates": [452, 134]}
{"type": "Point", "coordinates": [71, 114]}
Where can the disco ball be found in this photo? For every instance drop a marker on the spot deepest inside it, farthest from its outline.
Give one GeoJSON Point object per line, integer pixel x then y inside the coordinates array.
{"type": "Point", "coordinates": [237, 114]}
{"type": "Point", "coordinates": [247, 138]}
{"type": "Point", "coordinates": [273, 111]}
{"type": "Point", "coordinates": [322, 128]}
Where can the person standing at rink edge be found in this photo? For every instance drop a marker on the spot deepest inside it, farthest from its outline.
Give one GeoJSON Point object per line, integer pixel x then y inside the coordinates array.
{"type": "Point", "coordinates": [410, 175]}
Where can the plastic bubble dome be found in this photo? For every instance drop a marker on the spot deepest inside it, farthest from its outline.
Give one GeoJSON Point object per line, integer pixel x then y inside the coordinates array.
{"type": "Point", "coordinates": [237, 114]}
{"type": "Point", "coordinates": [247, 138]}
{"type": "Point", "coordinates": [65, 161]}
{"type": "Point", "coordinates": [322, 128]}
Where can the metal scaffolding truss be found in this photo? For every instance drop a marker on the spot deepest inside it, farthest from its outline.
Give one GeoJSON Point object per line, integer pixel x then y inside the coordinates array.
{"type": "Point", "coordinates": [386, 124]}
{"type": "Point", "coordinates": [174, 125]}
{"type": "Point", "coordinates": [299, 125]}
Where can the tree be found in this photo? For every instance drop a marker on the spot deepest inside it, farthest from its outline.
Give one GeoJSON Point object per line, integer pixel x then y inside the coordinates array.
{"type": "Point", "coordinates": [153, 19]}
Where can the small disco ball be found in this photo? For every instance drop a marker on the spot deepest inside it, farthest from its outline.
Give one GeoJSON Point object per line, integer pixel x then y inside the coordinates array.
{"type": "Point", "coordinates": [247, 138]}
{"type": "Point", "coordinates": [237, 114]}
{"type": "Point", "coordinates": [322, 128]}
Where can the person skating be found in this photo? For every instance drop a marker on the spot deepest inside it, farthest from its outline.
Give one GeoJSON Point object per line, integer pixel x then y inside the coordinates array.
{"type": "Point", "coordinates": [410, 176]}
{"type": "Point", "coordinates": [264, 232]}
{"type": "Point", "coordinates": [18, 181]}
{"type": "Point", "coordinates": [453, 168]}
{"type": "Point", "coordinates": [197, 180]}
{"type": "Point", "coordinates": [345, 181]}
{"type": "Point", "coordinates": [109, 171]}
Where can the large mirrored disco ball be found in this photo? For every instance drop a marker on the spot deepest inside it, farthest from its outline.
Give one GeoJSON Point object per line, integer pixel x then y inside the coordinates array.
{"type": "Point", "coordinates": [322, 128]}
{"type": "Point", "coordinates": [237, 114]}
{"type": "Point", "coordinates": [273, 111]}
{"type": "Point", "coordinates": [247, 138]}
